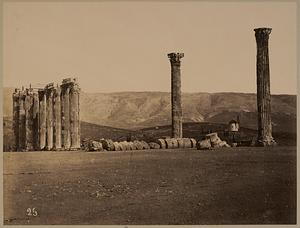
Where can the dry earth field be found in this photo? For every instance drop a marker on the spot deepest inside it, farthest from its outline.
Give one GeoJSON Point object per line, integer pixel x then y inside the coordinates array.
{"type": "Point", "coordinates": [181, 186]}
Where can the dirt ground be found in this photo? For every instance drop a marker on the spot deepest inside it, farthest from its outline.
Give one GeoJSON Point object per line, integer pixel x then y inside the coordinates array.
{"type": "Point", "coordinates": [181, 186]}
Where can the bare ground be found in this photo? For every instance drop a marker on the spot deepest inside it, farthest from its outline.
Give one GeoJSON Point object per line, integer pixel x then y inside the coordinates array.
{"type": "Point", "coordinates": [224, 186]}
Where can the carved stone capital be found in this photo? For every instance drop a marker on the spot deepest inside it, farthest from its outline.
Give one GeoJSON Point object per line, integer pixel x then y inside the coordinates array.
{"type": "Point", "coordinates": [262, 36]}
{"type": "Point", "coordinates": [175, 57]}
{"type": "Point", "coordinates": [74, 88]}
{"type": "Point", "coordinates": [57, 91]}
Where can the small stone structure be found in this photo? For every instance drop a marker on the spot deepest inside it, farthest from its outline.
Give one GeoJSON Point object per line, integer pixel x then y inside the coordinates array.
{"type": "Point", "coordinates": [233, 126]}
{"type": "Point", "coordinates": [211, 140]}
{"type": "Point", "coordinates": [176, 94]}
{"type": "Point", "coordinates": [263, 88]}
{"type": "Point", "coordinates": [48, 118]}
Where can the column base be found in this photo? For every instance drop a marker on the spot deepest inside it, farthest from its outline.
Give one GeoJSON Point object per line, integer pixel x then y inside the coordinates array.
{"type": "Point", "coordinates": [57, 148]}
{"type": "Point", "coordinates": [266, 142]}
{"type": "Point", "coordinates": [74, 148]}
{"type": "Point", "coordinates": [65, 148]}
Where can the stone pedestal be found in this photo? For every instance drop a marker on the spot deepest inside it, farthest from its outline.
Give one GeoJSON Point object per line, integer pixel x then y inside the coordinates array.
{"type": "Point", "coordinates": [263, 88]}
{"type": "Point", "coordinates": [176, 94]}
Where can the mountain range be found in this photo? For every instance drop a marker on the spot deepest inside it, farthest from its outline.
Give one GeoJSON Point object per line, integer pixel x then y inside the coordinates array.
{"type": "Point", "coordinates": [137, 110]}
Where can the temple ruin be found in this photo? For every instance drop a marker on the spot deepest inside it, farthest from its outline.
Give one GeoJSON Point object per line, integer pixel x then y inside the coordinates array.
{"type": "Point", "coordinates": [176, 94]}
{"type": "Point", "coordinates": [263, 88]}
{"type": "Point", "coordinates": [47, 118]}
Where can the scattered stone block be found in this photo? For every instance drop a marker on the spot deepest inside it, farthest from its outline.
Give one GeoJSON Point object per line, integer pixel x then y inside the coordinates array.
{"type": "Point", "coordinates": [154, 145]}
{"type": "Point", "coordinates": [145, 145]}
{"type": "Point", "coordinates": [161, 143]}
{"type": "Point", "coordinates": [193, 142]}
{"type": "Point", "coordinates": [107, 144]}
{"type": "Point", "coordinates": [93, 146]}
{"type": "Point", "coordinates": [171, 143]}
{"type": "Point", "coordinates": [138, 145]}
{"type": "Point", "coordinates": [214, 140]}
{"type": "Point", "coordinates": [117, 146]}
{"type": "Point", "coordinates": [180, 143]}
{"type": "Point", "coordinates": [124, 145]}
{"type": "Point", "coordinates": [130, 145]}
{"type": "Point", "coordinates": [187, 143]}
{"type": "Point", "coordinates": [204, 144]}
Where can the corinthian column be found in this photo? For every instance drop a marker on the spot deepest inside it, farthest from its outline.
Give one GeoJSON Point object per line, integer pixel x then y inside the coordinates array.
{"type": "Point", "coordinates": [22, 121]}
{"type": "Point", "coordinates": [42, 118]}
{"type": "Point", "coordinates": [57, 118]}
{"type": "Point", "coordinates": [263, 88]}
{"type": "Point", "coordinates": [16, 108]}
{"type": "Point", "coordinates": [28, 105]}
{"type": "Point", "coordinates": [35, 116]}
{"type": "Point", "coordinates": [65, 114]}
{"type": "Point", "coordinates": [176, 94]}
{"type": "Point", "coordinates": [49, 116]}
{"type": "Point", "coordinates": [74, 116]}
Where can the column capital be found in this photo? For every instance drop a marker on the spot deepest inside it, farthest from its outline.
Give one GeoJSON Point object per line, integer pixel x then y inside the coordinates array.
{"type": "Point", "coordinates": [262, 34]}
{"type": "Point", "coordinates": [264, 31]}
{"type": "Point", "coordinates": [49, 89]}
{"type": "Point", "coordinates": [57, 90]}
{"type": "Point", "coordinates": [175, 57]}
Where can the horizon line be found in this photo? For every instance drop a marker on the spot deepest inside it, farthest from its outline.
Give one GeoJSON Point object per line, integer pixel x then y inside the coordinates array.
{"type": "Point", "coordinates": [157, 91]}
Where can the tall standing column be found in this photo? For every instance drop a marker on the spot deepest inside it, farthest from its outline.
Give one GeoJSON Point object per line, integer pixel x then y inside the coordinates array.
{"type": "Point", "coordinates": [22, 120]}
{"type": "Point", "coordinates": [35, 116]}
{"type": "Point", "coordinates": [42, 119]}
{"type": "Point", "coordinates": [263, 88]}
{"type": "Point", "coordinates": [16, 108]}
{"type": "Point", "coordinates": [65, 112]}
{"type": "Point", "coordinates": [74, 116]}
{"type": "Point", "coordinates": [29, 120]}
{"type": "Point", "coordinates": [57, 118]}
{"type": "Point", "coordinates": [49, 117]}
{"type": "Point", "coordinates": [176, 94]}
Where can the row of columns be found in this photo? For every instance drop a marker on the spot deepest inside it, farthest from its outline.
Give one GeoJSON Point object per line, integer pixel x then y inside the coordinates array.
{"type": "Point", "coordinates": [264, 137]}
{"type": "Point", "coordinates": [47, 119]}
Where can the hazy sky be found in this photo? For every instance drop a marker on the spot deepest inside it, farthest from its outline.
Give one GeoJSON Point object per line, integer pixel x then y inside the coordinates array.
{"type": "Point", "coordinates": [123, 46]}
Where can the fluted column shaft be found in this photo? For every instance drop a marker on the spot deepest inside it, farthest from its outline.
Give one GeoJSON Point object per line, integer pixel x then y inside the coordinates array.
{"type": "Point", "coordinates": [22, 121]}
{"type": "Point", "coordinates": [74, 117]}
{"type": "Point", "coordinates": [42, 119]}
{"type": "Point", "coordinates": [57, 118]}
{"type": "Point", "coordinates": [65, 112]}
{"type": "Point", "coordinates": [35, 117]}
{"type": "Point", "coordinates": [49, 119]}
{"type": "Point", "coordinates": [29, 120]}
{"type": "Point", "coordinates": [263, 88]}
{"type": "Point", "coordinates": [176, 94]}
{"type": "Point", "coordinates": [16, 108]}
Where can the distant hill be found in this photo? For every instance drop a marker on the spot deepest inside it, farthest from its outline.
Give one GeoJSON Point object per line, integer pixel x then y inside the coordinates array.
{"type": "Point", "coordinates": [190, 130]}
{"type": "Point", "coordinates": [137, 110]}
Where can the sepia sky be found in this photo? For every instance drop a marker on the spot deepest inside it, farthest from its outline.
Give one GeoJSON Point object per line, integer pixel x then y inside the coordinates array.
{"type": "Point", "coordinates": [123, 46]}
